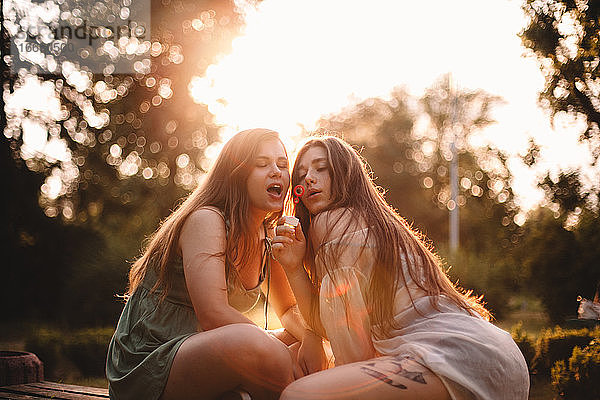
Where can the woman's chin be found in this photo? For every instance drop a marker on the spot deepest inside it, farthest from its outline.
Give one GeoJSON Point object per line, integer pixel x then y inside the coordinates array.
{"type": "Point", "coordinates": [317, 209]}
{"type": "Point", "coordinates": [274, 208]}
{"type": "Point", "coordinates": [267, 208]}
{"type": "Point", "coordinates": [314, 209]}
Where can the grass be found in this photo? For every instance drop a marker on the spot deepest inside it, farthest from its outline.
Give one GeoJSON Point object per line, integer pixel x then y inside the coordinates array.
{"type": "Point", "coordinates": [541, 389]}
{"type": "Point", "coordinates": [12, 338]}
{"type": "Point", "coordinates": [527, 310]}
{"type": "Point", "coordinates": [530, 313]}
{"type": "Point", "coordinates": [97, 382]}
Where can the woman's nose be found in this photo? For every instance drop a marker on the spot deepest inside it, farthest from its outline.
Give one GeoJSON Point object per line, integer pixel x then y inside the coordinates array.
{"type": "Point", "coordinates": [275, 170]}
{"type": "Point", "coordinates": [309, 178]}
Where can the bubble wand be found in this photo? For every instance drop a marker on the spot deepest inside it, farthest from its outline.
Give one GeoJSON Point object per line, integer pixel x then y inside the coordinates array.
{"type": "Point", "coordinates": [298, 192]}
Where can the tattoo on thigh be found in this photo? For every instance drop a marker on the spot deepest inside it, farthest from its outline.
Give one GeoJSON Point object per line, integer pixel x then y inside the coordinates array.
{"type": "Point", "coordinates": [389, 371]}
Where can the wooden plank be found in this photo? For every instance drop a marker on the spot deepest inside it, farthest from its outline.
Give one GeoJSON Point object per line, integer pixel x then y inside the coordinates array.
{"type": "Point", "coordinates": [75, 388]}
{"type": "Point", "coordinates": [15, 396]}
{"type": "Point", "coordinates": [51, 390]}
{"type": "Point", "coordinates": [11, 391]}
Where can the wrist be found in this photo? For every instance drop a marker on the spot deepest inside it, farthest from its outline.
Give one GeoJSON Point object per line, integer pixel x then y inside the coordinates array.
{"type": "Point", "coordinates": [294, 270]}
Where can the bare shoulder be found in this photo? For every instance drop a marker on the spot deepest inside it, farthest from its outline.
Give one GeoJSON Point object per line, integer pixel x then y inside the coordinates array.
{"type": "Point", "coordinates": [332, 224]}
{"type": "Point", "coordinates": [205, 227]}
{"type": "Point", "coordinates": [205, 217]}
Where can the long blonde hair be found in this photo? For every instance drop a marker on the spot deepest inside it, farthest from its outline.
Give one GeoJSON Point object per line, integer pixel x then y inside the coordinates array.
{"type": "Point", "coordinates": [223, 188]}
{"type": "Point", "coordinates": [396, 242]}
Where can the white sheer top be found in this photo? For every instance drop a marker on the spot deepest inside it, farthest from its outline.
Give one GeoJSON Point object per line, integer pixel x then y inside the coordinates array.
{"type": "Point", "coordinates": [474, 358]}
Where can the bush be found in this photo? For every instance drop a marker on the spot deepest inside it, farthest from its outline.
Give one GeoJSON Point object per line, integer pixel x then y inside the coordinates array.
{"type": "Point", "coordinates": [485, 276]}
{"type": "Point", "coordinates": [47, 345]}
{"type": "Point", "coordinates": [581, 380]}
{"type": "Point", "coordinates": [557, 344]}
{"type": "Point", "coordinates": [558, 263]}
{"type": "Point", "coordinates": [85, 349]}
{"type": "Point", "coordinates": [525, 344]}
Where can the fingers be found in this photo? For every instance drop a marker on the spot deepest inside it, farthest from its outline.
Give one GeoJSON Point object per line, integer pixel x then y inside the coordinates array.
{"type": "Point", "coordinates": [281, 220]}
{"type": "Point", "coordinates": [298, 233]}
{"type": "Point", "coordinates": [285, 230]}
{"type": "Point", "coordinates": [277, 247]}
{"type": "Point", "coordinates": [283, 235]}
{"type": "Point", "coordinates": [291, 232]}
{"type": "Point", "coordinates": [282, 240]}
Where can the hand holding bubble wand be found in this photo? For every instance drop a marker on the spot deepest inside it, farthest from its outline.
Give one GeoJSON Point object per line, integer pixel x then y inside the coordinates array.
{"type": "Point", "coordinates": [298, 192]}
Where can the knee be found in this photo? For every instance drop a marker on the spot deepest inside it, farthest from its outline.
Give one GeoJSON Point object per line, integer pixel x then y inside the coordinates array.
{"type": "Point", "coordinates": [272, 357]}
{"type": "Point", "coordinates": [259, 353]}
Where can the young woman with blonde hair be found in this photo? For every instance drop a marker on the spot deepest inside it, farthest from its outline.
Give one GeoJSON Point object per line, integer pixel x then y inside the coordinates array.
{"type": "Point", "coordinates": [182, 333]}
{"type": "Point", "coordinates": [398, 327]}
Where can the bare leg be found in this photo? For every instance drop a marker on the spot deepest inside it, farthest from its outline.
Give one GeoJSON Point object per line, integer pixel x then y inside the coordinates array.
{"type": "Point", "coordinates": [211, 363]}
{"type": "Point", "coordinates": [381, 378]}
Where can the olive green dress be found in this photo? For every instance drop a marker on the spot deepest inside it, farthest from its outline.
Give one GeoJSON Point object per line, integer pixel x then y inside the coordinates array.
{"type": "Point", "coordinates": [149, 332]}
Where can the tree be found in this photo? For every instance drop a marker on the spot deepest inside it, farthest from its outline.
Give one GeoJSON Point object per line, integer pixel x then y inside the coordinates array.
{"type": "Point", "coordinates": [131, 140]}
{"type": "Point", "coordinates": [135, 145]}
{"type": "Point", "coordinates": [560, 264]}
{"type": "Point", "coordinates": [564, 36]}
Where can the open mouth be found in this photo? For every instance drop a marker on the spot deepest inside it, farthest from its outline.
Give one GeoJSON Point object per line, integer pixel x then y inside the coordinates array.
{"type": "Point", "coordinates": [313, 192]}
{"type": "Point", "coordinates": [275, 189]}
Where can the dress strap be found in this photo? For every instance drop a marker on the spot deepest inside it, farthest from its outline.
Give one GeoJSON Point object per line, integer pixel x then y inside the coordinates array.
{"type": "Point", "coordinates": [266, 271]}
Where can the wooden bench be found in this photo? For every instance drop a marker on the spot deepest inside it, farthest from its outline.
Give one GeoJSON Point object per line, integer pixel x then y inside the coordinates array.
{"type": "Point", "coordinates": [52, 390]}
{"type": "Point", "coordinates": [22, 374]}
{"type": "Point", "coordinates": [22, 377]}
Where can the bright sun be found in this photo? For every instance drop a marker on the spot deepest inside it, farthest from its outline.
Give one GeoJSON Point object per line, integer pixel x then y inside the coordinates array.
{"type": "Point", "coordinates": [297, 61]}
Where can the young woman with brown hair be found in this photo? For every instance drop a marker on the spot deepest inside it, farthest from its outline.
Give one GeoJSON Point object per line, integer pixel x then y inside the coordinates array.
{"type": "Point", "coordinates": [398, 327]}
{"type": "Point", "coordinates": [182, 333]}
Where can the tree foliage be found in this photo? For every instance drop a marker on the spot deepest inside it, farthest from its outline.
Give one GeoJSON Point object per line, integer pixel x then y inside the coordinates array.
{"type": "Point", "coordinates": [135, 145]}
{"type": "Point", "coordinates": [560, 264]}
{"type": "Point", "coordinates": [560, 245]}
{"type": "Point", "coordinates": [564, 36]}
{"type": "Point", "coordinates": [132, 140]}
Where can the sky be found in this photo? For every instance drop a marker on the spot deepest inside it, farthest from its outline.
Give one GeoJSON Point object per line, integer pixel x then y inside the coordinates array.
{"type": "Point", "coordinates": [297, 61]}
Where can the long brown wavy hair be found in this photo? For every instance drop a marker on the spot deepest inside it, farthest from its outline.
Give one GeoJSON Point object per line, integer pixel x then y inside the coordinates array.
{"type": "Point", "coordinates": [353, 190]}
{"type": "Point", "coordinates": [224, 188]}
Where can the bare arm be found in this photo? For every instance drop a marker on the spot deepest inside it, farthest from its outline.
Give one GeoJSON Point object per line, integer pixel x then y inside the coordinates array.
{"type": "Point", "coordinates": [288, 247]}
{"type": "Point", "coordinates": [202, 239]}
{"type": "Point", "coordinates": [311, 356]}
{"type": "Point", "coordinates": [282, 300]}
